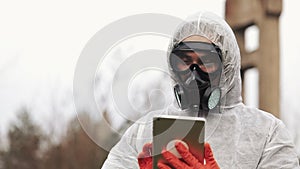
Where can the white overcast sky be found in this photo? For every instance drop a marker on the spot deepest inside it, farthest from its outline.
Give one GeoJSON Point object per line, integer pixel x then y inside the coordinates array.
{"type": "Point", "coordinates": [40, 42]}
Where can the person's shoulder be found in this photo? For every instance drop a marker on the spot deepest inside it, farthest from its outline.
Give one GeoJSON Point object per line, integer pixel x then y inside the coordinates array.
{"type": "Point", "coordinates": [252, 111]}
{"type": "Point", "coordinates": [256, 116]}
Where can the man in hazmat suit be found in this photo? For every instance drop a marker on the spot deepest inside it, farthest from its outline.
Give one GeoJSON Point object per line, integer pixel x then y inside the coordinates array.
{"type": "Point", "coordinates": [204, 60]}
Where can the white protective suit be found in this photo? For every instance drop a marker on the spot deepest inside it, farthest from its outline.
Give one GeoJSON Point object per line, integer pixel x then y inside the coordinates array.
{"type": "Point", "coordinates": [240, 136]}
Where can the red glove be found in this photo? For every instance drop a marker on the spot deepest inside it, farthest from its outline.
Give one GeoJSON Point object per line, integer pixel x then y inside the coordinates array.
{"type": "Point", "coordinates": [145, 158]}
{"type": "Point", "coordinates": [188, 161]}
{"type": "Point", "coordinates": [209, 158]}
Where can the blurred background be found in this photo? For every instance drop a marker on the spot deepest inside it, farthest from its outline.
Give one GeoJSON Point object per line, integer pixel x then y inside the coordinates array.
{"type": "Point", "coordinates": [40, 43]}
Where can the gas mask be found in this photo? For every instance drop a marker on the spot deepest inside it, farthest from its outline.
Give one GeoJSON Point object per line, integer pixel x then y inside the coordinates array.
{"type": "Point", "coordinates": [197, 67]}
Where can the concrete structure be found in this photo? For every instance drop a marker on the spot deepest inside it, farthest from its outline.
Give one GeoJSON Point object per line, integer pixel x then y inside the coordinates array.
{"type": "Point", "coordinates": [241, 14]}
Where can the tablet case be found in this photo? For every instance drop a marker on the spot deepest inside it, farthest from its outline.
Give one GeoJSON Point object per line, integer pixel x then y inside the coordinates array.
{"type": "Point", "coordinates": [167, 128]}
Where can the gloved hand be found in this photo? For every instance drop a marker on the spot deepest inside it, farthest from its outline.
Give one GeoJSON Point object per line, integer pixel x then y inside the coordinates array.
{"type": "Point", "coordinates": [188, 161]}
{"type": "Point", "coordinates": [209, 158]}
{"type": "Point", "coordinates": [145, 158]}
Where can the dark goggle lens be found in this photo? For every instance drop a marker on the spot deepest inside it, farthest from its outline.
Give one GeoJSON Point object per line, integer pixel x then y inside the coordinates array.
{"type": "Point", "coordinates": [208, 62]}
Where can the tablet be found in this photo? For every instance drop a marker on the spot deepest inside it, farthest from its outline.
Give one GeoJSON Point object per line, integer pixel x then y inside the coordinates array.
{"type": "Point", "coordinates": [167, 129]}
